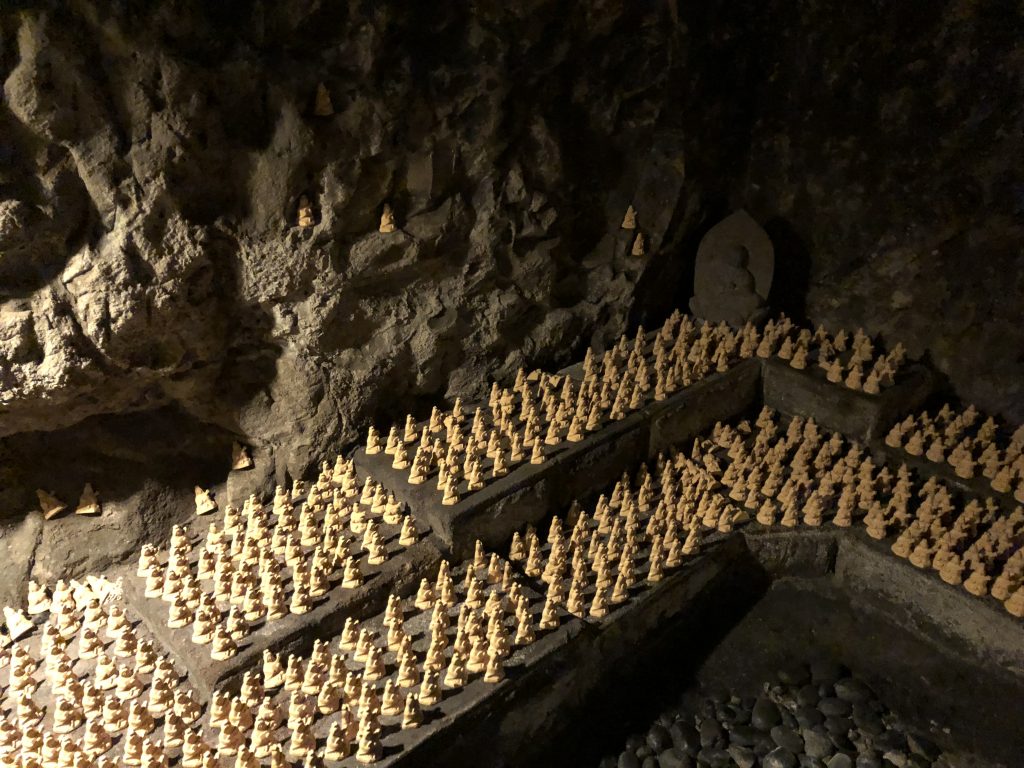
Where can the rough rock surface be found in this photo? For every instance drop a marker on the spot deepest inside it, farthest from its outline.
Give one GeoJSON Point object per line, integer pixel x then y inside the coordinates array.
{"type": "Point", "coordinates": [158, 301]}
{"type": "Point", "coordinates": [885, 162]}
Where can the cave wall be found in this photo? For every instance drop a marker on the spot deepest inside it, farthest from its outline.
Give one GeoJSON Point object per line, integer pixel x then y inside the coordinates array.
{"type": "Point", "coordinates": [157, 301]}
{"type": "Point", "coordinates": [887, 160]}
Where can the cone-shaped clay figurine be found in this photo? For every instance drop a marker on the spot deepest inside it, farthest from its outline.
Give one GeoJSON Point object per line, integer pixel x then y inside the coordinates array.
{"type": "Point", "coordinates": [338, 746]}
{"type": "Point", "coordinates": [205, 503]}
{"type": "Point", "coordinates": [88, 503]}
{"type": "Point", "coordinates": [240, 458]}
{"type": "Point", "coordinates": [629, 219]}
{"type": "Point", "coordinates": [639, 245]}
{"type": "Point", "coordinates": [322, 106]}
{"type": "Point", "coordinates": [18, 625]}
{"type": "Point", "coordinates": [387, 220]}
{"type": "Point", "coordinates": [50, 504]}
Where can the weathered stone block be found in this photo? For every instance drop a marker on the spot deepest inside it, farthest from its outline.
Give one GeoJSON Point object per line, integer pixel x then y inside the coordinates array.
{"type": "Point", "coordinates": [857, 415]}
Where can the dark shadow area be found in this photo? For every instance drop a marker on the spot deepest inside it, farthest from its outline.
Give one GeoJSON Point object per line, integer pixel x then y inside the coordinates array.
{"type": "Point", "coordinates": [788, 293]}
{"type": "Point", "coordinates": [116, 454]}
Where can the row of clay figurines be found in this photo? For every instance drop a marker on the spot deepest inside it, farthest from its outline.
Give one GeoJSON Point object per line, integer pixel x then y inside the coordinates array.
{"type": "Point", "coordinates": [477, 655]}
{"type": "Point", "coordinates": [245, 559]}
{"type": "Point", "coordinates": [980, 541]}
{"type": "Point", "coordinates": [322, 684]}
{"type": "Point", "coordinates": [89, 502]}
{"type": "Point", "coordinates": [716, 348]}
{"type": "Point", "coordinates": [305, 217]}
{"type": "Point", "coordinates": [611, 389]}
{"type": "Point", "coordinates": [966, 445]}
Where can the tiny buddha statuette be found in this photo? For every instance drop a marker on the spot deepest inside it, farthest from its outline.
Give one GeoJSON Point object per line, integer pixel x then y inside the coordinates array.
{"type": "Point", "coordinates": [387, 220]}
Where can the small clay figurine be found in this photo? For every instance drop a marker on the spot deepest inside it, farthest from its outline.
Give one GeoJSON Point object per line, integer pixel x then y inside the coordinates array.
{"type": "Point", "coordinates": [322, 106]}
{"type": "Point", "coordinates": [305, 212]}
{"type": "Point", "coordinates": [50, 504]}
{"type": "Point", "coordinates": [387, 220]}
{"type": "Point", "coordinates": [88, 503]}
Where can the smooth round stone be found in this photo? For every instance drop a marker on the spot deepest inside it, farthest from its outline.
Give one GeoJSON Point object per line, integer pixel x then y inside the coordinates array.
{"type": "Point", "coordinates": [808, 717]}
{"type": "Point", "coordinates": [628, 759]}
{"type": "Point", "coordinates": [798, 674]}
{"type": "Point", "coordinates": [675, 758]}
{"type": "Point", "coordinates": [711, 734]}
{"type": "Point", "coordinates": [808, 696]}
{"type": "Point", "coordinates": [838, 724]}
{"type": "Point", "coordinates": [715, 757]}
{"type": "Point", "coordinates": [779, 758]}
{"type": "Point", "coordinates": [806, 761]}
{"type": "Point", "coordinates": [840, 761]}
{"type": "Point", "coordinates": [634, 742]}
{"type": "Point", "coordinates": [743, 735]}
{"type": "Point", "coordinates": [764, 744]}
{"type": "Point", "coordinates": [742, 757]}
{"type": "Point", "coordinates": [729, 714]}
{"type": "Point", "coordinates": [789, 720]}
{"type": "Point", "coordinates": [868, 761]}
{"type": "Point", "coordinates": [817, 742]}
{"type": "Point", "coordinates": [869, 723]}
{"type": "Point", "coordinates": [765, 714]}
{"type": "Point", "coordinates": [659, 739]}
{"type": "Point", "coordinates": [827, 672]}
{"type": "Point", "coordinates": [833, 707]}
{"type": "Point", "coordinates": [740, 714]}
{"type": "Point", "coordinates": [788, 739]}
{"type": "Point", "coordinates": [852, 690]}
{"type": "Point", "coordinates": [685, 737]}
{"type": "Point", "coordinates": [643, 751]}
{"type": "Point", "coordinates": [890, 741]}
{"type": "Point", "coordinates": [923, 746]}
{"type": "Point", "coordinates": [842, 742]}
{"type": "Point", "coordinates": [650, 762]}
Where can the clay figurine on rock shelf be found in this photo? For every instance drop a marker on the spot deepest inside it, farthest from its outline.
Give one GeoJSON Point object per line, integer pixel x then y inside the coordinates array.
{"type": "Point", "coordinates": [629, 220]}
{"type": "Point", "coordinates": [50, 504]}
{"type": "Point", "coordinates": [387, 220]}
{"type": "Point", "coordinates": [639, 245]}
{"type": "Point", "coordinates": [89, 503]}
{"type": "Point", "coordinates": [322, 106]}
{"type": "Point", "coordinates": [305, 214]}
{"type": "Point", "coordinates": [240, 458]}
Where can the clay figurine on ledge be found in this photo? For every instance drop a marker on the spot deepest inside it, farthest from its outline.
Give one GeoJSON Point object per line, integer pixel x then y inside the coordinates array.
{"type": "Point", "coordinates": [639, 245]}
{"type": "Point", "coordinates": [305, 215]}
{"type": "Point", "coordinates": [50, 505]}
{"type": "Point", "coordinates": [322, 106]}
{"type": "Point", "coordinates": [733, 272]}
{"type": "Point", "coordinates": [629, 220]}
{"type": "Point", "coordinates": [89, 503]}
{"type": "Point", "coordinates": [240, 458]}
{"type": "Point", "coordinates": [387, 220]}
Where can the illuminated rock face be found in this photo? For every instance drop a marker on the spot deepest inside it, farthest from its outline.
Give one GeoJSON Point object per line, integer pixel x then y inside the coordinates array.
{"type": "Point", "coordinates": [150, 261]}
{"type": "Point", "coordinates": [158, 302]}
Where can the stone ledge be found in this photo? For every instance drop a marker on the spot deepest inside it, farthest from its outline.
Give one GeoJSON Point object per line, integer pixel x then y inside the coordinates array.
{"type": "Point", "coordinates": [857, 415]}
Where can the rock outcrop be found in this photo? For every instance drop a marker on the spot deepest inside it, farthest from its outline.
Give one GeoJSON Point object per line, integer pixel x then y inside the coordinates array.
{"type": "Point", "coordinates": [158, 300]}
